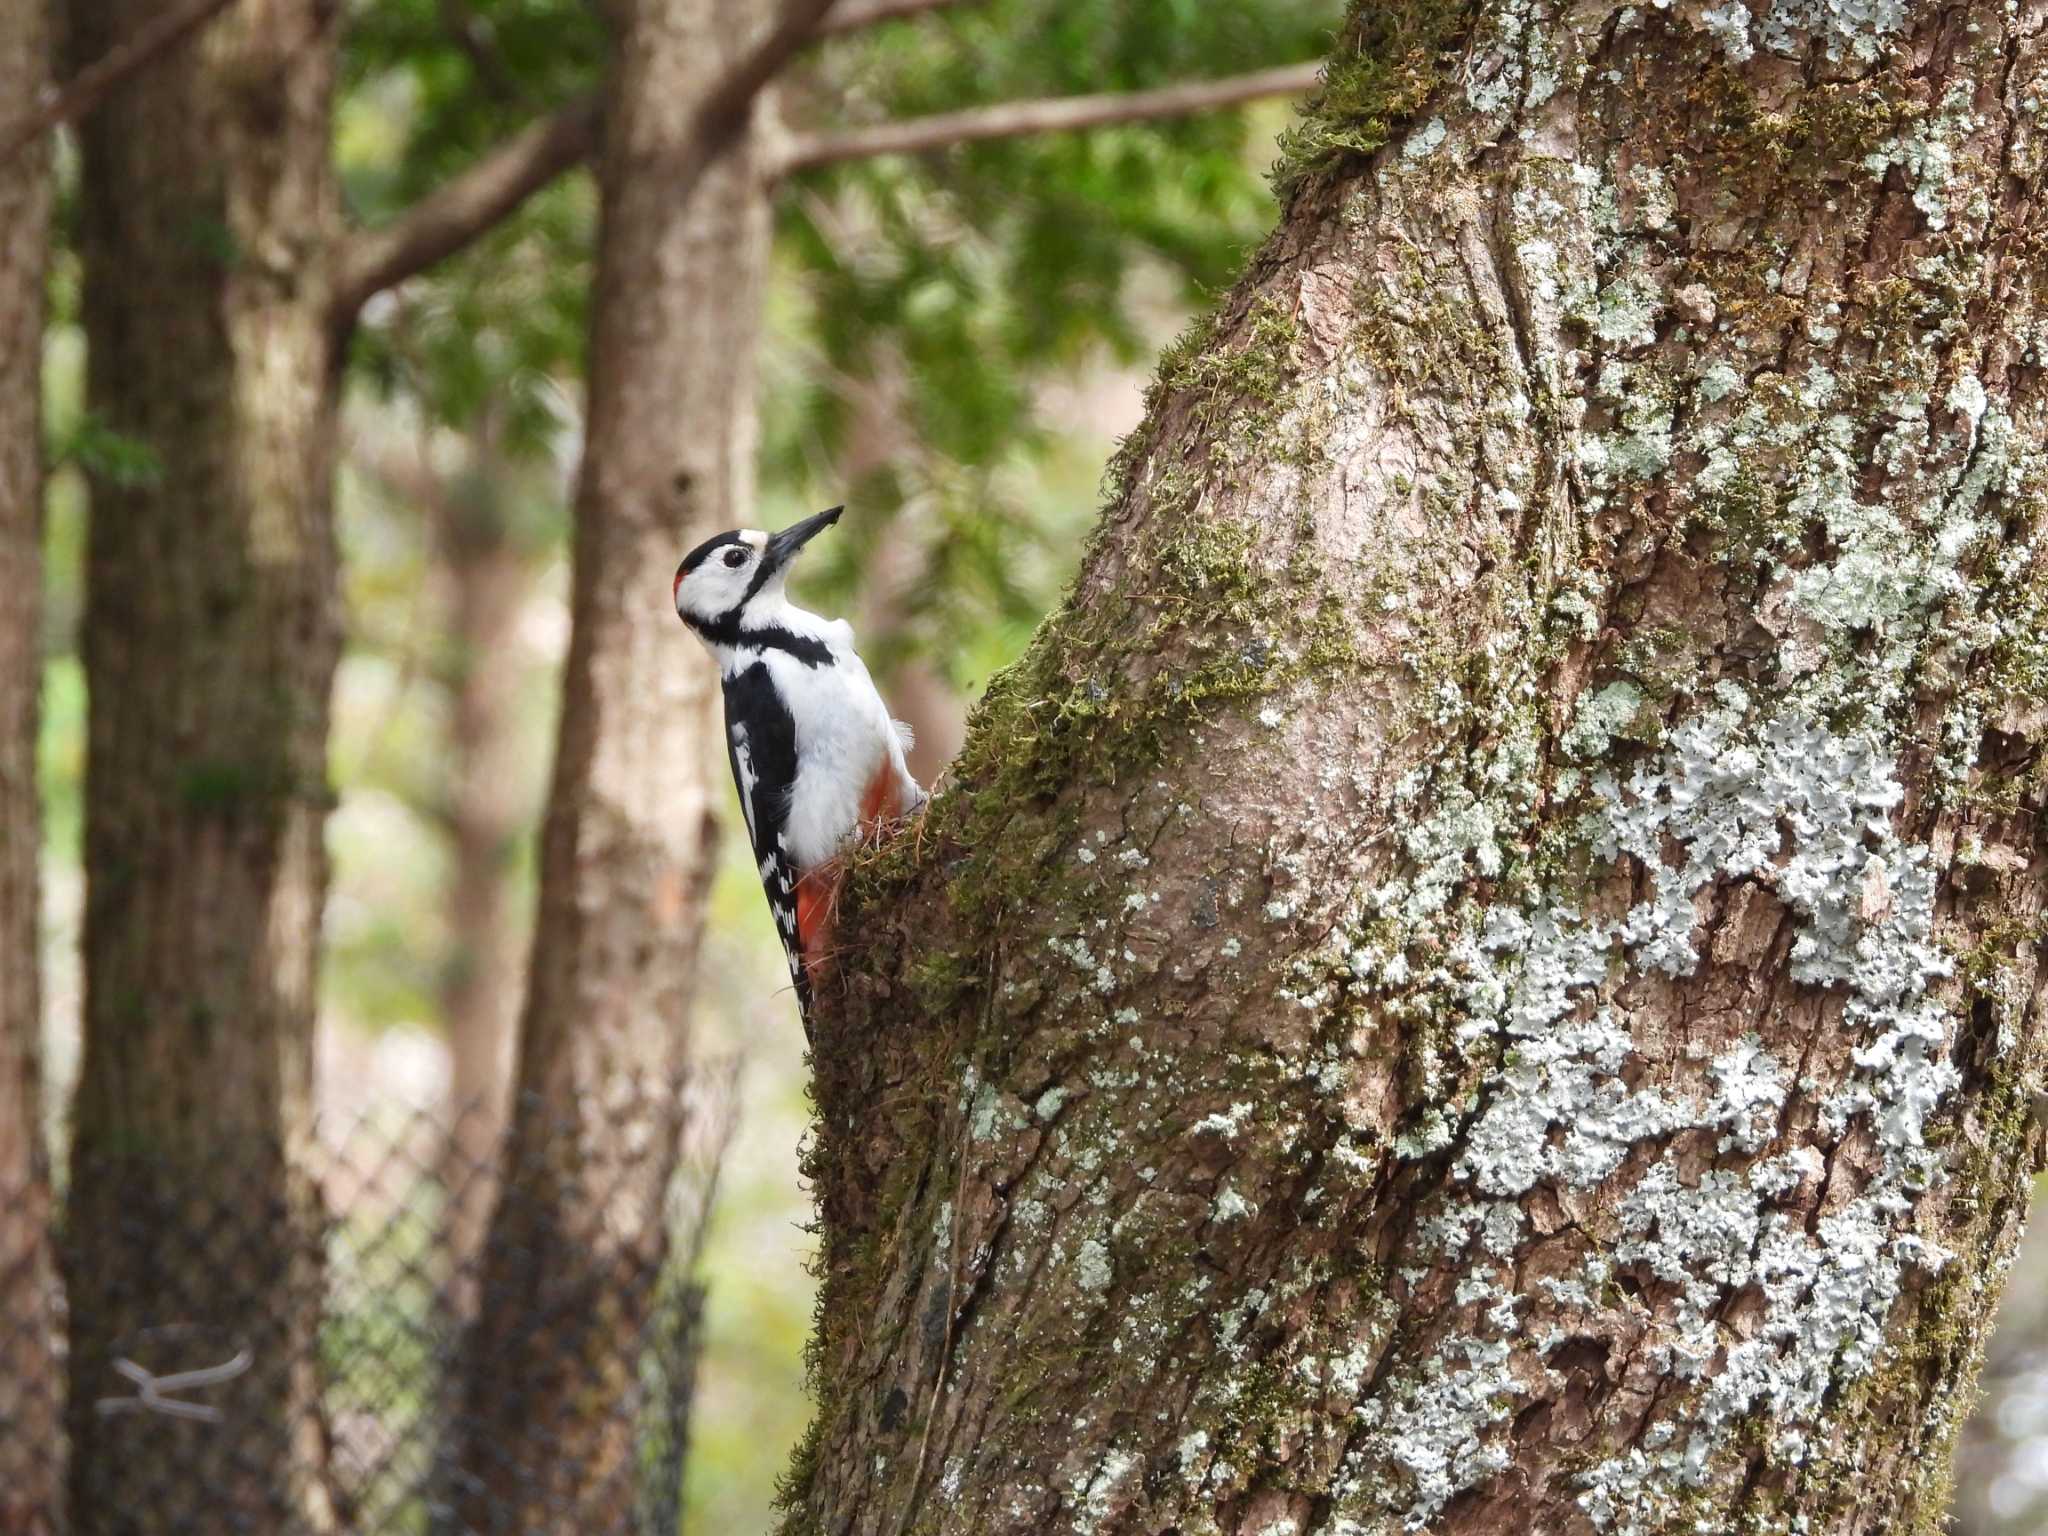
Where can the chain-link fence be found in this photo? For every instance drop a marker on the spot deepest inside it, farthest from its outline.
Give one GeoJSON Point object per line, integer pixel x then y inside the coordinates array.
{"type": "Point", "coordinates": [405, 1326]}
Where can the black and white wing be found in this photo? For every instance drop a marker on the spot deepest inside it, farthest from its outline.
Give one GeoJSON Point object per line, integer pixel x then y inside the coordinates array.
{"type": "Point", "coordinates": [760, 739]}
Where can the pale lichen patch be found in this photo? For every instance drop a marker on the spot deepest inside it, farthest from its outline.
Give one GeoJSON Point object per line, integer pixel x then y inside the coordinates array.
{"type": "Point", "coordinates": [1784, 801]}
{"type": "Point", "coordinates": [1092, 1269]}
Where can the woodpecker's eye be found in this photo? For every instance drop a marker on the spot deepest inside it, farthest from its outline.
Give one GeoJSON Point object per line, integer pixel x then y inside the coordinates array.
{"type": "Point", "coordinates": [735, 558]}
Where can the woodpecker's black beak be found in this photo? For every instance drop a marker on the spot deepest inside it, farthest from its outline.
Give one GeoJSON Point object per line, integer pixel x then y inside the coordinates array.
{"type": "Point", "coordinates": [784, 545]}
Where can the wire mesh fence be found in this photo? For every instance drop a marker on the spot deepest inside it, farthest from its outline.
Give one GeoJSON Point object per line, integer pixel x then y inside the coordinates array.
{"type": "Point", "coordinates": [402, 1326]}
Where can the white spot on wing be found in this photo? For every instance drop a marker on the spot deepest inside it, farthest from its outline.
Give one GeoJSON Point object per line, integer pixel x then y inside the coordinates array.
{"type": "Point", "coordinates": [743, 768]}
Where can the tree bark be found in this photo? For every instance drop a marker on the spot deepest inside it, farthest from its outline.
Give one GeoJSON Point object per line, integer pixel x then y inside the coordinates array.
{"type": "Point", "coordinates": [31, 1383]}
{"type": "Point", "coordinates": [1484, 972]}
{"type": "Point", "coordinates": [210, 642]}
{"type": "Point", "coordinates": [627, 841]}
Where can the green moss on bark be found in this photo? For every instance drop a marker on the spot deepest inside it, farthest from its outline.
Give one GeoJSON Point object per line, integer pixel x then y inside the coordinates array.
{"type": "Point", "coordinates": [1390, 56]}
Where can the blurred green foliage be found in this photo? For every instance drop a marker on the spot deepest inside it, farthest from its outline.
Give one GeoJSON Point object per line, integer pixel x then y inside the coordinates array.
{"type": "Point", "coordinates": [958, 283]}
{"type": "Point", "coordinates": [952, 283]}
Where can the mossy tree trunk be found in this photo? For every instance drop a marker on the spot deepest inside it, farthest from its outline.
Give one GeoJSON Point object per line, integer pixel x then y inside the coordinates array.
{"type": "Point", "coordinates": [207, 209]}
{"type": "Point", "coordinates": [31, 1383]}
{"type": "Point", "coordinates": [1483, 973]}
{"type": "Point", "coordinates": [628, 837]}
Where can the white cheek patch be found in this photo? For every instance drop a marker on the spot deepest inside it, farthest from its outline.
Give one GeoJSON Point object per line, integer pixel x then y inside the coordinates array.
{"type": "Point", "coordinates": [714, 586]}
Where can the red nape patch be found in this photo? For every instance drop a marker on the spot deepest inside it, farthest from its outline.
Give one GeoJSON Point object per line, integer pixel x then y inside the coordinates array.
{"type": "Point", "coordinates": [675, 587]}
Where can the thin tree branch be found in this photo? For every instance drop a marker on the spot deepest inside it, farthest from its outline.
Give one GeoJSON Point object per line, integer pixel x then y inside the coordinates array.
{"type": "Point", "coordinates": [463, 207]}
{"type": "Point", "coordinates": [479, 198]}
{"type": "Point", "coordinates": [84, 90]}
{"type": "Point", "coordinates": [847, 17]}
{"type": "Point", "coordinates": [724, 111]}
{"type": "Point", "coordinates": [1059, 114]}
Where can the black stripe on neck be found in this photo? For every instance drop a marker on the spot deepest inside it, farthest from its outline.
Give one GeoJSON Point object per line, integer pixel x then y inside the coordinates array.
{"type": "Point", "coordinates": [726, 630]}
{"type": "Point", "coordinates": [768, 567]}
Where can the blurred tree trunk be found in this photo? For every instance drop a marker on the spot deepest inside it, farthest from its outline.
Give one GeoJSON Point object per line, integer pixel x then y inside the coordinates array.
{"type": "Point", "coordinates": [627, 842]}
{"type": "Point", "coordinates": [31, 1388]}
{"type": "Point", "coordinates": [210, 641]}
{"type": "Point", "coordinates": [1484, 972]}
{"type": "Point", "coordinates": [482, 581]}
{"type": "Point", "coordinates": [879, 440]}
{"type": "Point", "coordinates": [487, 585]}
{"type": "Point", "coordinates": [923, 698]}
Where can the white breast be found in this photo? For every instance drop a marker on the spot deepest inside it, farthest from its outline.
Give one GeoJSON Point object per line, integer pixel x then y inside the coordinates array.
{"type": "Point", "coordinates": [843, 735]}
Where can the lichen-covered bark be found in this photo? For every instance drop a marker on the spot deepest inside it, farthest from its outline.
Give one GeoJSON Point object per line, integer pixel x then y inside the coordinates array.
{"type": "Point", "coordinates": [627, 843]}
{"type": "Point", "coordinates": [206, 204]}
{"type": "Point", "coordinates": [31, 1381]}
{"type": "Point", "coordinates": [1483, 974]}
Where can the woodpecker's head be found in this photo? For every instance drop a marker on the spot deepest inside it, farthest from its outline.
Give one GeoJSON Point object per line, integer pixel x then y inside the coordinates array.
{"type": "Point", "coordinates": [723, 576]}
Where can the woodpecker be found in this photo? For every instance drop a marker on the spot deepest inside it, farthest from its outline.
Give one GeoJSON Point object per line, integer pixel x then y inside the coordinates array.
{"type": "Point", "coordinates": [817, 759]}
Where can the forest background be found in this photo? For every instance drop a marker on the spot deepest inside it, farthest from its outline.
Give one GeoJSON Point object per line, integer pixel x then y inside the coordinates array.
{"type": "Point", "coordinates": [954, 342]}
